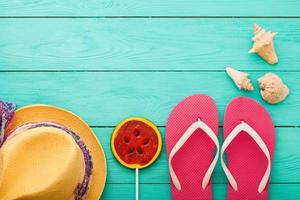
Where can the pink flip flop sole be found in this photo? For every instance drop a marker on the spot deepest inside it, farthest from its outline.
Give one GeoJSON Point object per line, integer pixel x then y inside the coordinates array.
{"type": "Point", "coordinates": [194, 158]}
{"type": "Point", "coordinates": [246, 161]}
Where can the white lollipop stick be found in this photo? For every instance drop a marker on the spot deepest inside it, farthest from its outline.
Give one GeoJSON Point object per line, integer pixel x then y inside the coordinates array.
{"type": "Point", "coordinates": [137, 183]}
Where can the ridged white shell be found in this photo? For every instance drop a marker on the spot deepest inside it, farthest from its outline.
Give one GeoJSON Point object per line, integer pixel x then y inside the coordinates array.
{"type": "Point", "coordinates": [240, 79]}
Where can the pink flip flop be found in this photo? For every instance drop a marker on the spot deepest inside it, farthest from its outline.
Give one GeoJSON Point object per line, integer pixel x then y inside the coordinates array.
{"type": "Point", "coordinates": [191, 138]}
{"type": "Point", "coordinates": [249, 140]}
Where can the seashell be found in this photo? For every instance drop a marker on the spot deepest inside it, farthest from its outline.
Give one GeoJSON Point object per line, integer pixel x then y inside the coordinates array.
{"type": "Point", "coordinates": [263, 44]}
{"type": "Point", "coordinates": [273, 90]}
{"type": "Point", "coordinates": [240, 79]}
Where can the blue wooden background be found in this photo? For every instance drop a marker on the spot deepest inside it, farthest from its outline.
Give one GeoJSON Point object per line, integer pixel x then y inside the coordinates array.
{"type": "Point", "coordinates": [107, 60]}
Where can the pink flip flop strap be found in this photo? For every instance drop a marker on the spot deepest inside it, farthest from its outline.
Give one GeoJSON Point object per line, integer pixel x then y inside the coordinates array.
{"type": "Point", "coordinates": [187, 134]}
{"type": "Point", "coordinates": [243, 126]}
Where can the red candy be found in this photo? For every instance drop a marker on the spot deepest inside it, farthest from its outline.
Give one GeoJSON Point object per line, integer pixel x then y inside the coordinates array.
{"type": "Point", "coordinates": [136, 142]}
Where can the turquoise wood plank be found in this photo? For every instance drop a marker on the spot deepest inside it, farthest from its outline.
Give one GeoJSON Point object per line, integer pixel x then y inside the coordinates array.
{"type": "Point", "coordinates": [142, 44]}
{"type": "Point", "coordinates": [149, 8]}
{"type": "Point", "coordinates": [162, 191]}
{"type": "Point", "coordinates": [285, 169]}
{"type": "Point", "coordinates": [105, 98]}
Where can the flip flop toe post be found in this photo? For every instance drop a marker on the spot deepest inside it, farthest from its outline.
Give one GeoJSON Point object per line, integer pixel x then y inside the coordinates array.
{"type": "Point", "coordinates": [249, 140]}
{"type": "Point", "coordinates": [191, 141]}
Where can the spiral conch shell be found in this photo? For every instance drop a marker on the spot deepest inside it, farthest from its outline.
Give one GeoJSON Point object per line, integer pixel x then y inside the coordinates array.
{"type": "Point", "coordinates": [240, 79]}
{"type": "Point", "coordinates": [273, 90]}
{"type": "Point", "coordinates": [263, 44]}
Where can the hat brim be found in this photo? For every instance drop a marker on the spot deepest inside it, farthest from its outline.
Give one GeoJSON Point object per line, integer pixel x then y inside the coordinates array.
{"type": "Point", "coordinates": [42, 113]}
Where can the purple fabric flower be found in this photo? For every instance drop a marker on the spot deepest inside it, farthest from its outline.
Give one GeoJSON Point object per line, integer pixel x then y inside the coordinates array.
{"type": "Point", "coordinates": [7, 111]}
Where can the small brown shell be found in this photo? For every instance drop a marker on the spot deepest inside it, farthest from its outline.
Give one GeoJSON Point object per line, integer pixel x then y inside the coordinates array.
{"type": "Point", "coordinates": [273, 90]}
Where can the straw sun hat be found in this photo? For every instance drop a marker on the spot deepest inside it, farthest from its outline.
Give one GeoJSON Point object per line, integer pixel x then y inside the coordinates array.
{"type": "Point", "coordinates": [50, 154]}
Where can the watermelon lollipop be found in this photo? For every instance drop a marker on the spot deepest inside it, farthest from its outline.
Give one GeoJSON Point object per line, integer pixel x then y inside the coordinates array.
{"type": "Point", "coordinates": [136, 143]}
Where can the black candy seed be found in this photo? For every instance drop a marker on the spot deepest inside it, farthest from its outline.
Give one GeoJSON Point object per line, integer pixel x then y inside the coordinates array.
{"type": "Point", "coordinates": [130, 150]}
{"type": "Point", "coordinates": [146, 141]}
{"type": "Point", "coordinates": [139, 150]}
{"type": "Point", "coordinates": [126, 140]}
{"type": "Point", "coordinates": [136, 133]}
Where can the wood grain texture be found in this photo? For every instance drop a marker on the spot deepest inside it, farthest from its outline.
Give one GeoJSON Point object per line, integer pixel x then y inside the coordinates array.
{"type": "Point", "coordinates": [107, 60]}
{"type": "Point", "coordinates": [104, 98]}
{"type": "Point", "coordinates": [162, 191]}
{"type": "Point", "coordinates": [142, 44]}
{"type": "Point", "coordinates": [285, 168]}
{"type": "Point", "coordinates": [149, 8]}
